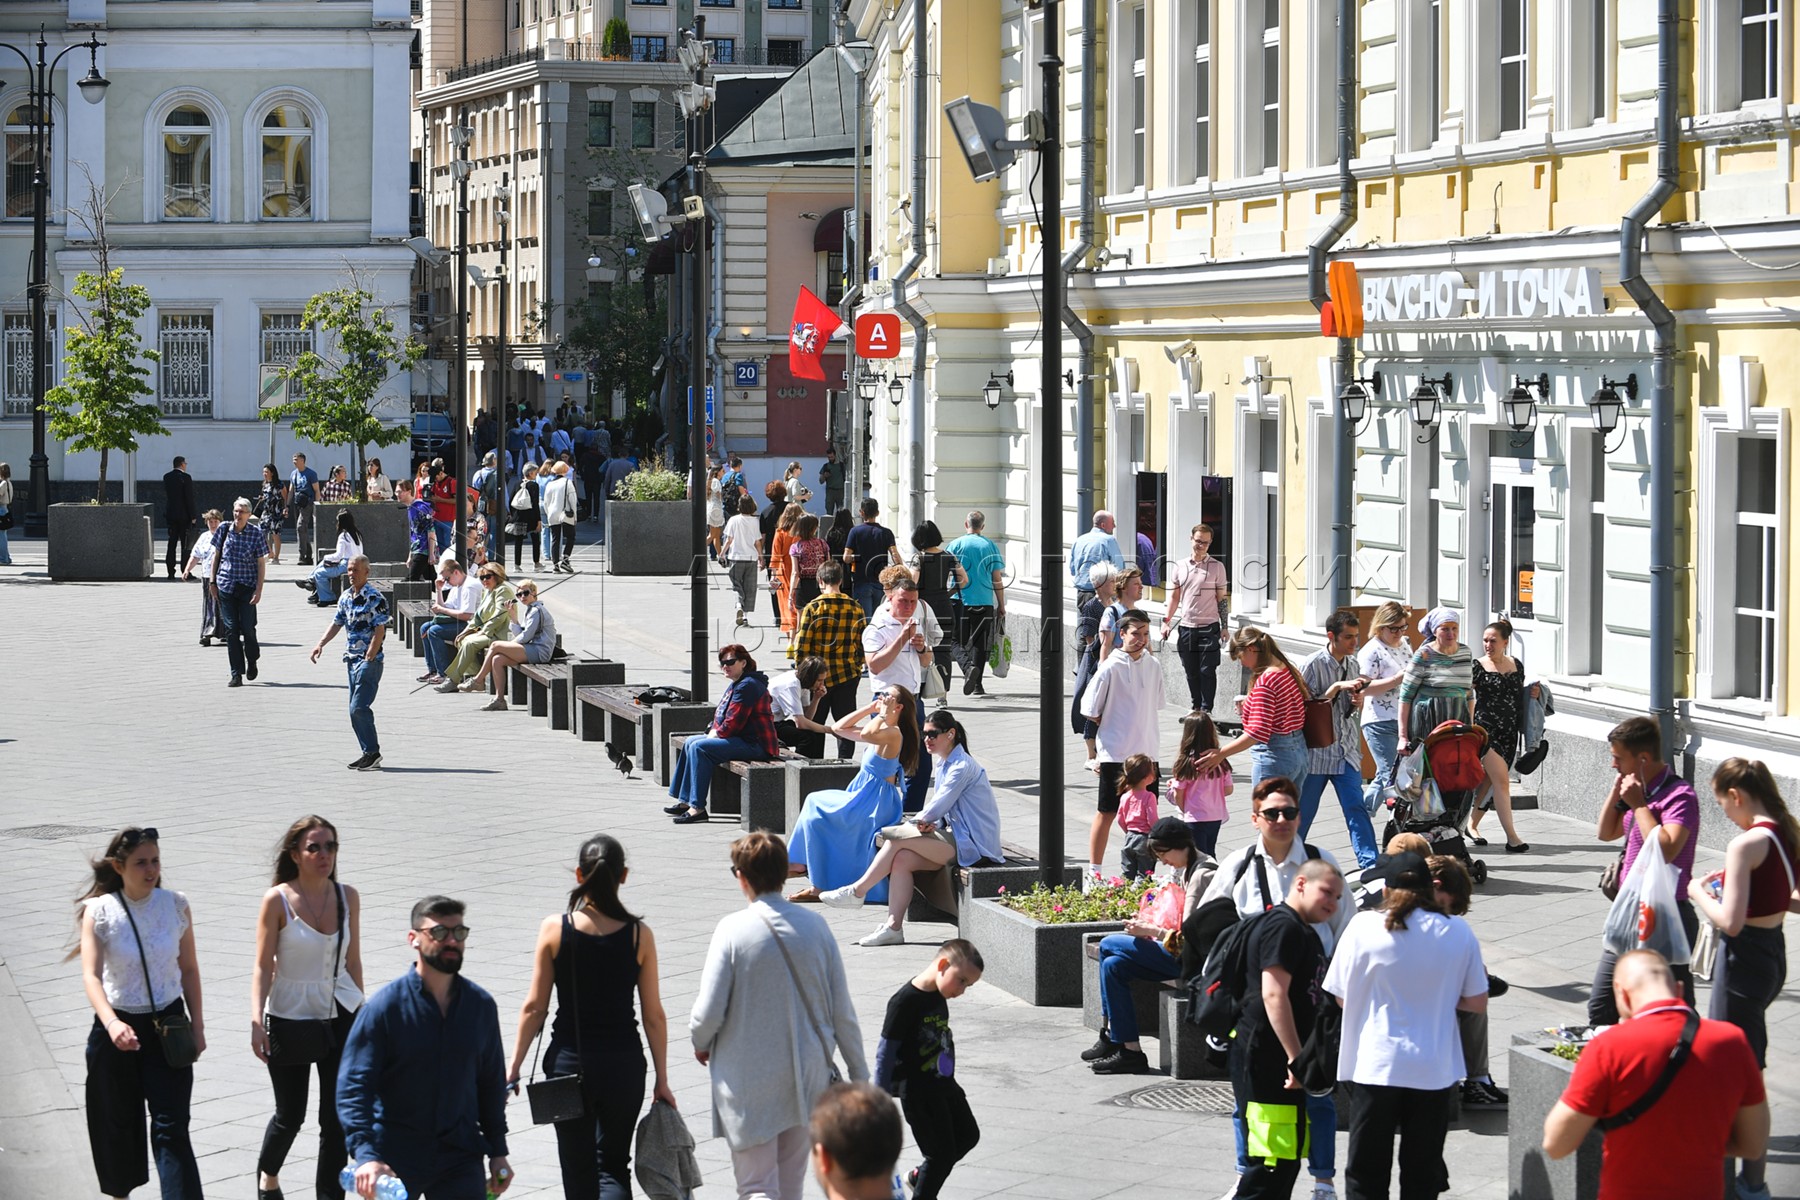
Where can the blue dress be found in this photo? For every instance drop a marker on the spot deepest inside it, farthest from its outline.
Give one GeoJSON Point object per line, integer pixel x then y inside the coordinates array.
{"type": "Point", "coordinates": [835, 835]}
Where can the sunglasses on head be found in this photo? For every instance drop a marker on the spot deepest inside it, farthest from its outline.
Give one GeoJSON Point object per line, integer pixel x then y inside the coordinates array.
{"type": "Point", "coordinates": [1284, 813]}
{"type": "Point", "coordinates": [133, 838]}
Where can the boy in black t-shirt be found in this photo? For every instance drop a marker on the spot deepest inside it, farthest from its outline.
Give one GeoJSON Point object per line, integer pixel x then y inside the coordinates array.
{"type": "Point", "coordinates": [1281, 995]}
{"type": "Point", "coordinates": [916, 1061]}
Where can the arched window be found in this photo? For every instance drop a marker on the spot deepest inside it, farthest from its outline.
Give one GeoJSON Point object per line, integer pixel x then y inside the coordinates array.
{"type": "Point", "coordinates": [187, 165]}
{"type": "Point", "coordinates": [20, 162]}
{"type": "Point", "coordinates": [287, 174]}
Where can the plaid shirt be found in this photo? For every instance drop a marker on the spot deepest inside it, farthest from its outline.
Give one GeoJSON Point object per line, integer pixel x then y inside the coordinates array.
{"type": "Point", "coordinates": [334, 490]}
{"type": "Point", "coordinates": [831, 627]}
{"type": "Point", "coordinates": [360, 612]}
{"type": "Point", "coordinates": [745, 712]}
{"type": "Point", "coordinates": [238, 554]}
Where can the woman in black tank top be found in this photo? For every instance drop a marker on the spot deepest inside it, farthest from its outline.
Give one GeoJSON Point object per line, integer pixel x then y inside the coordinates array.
{"type": "Point", "coordinates": [597, 955]}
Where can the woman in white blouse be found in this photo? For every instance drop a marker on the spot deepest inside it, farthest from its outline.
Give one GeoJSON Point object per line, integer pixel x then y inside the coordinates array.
{"type": "Point", "coordinates": [349, 545]}
{"type": "Point", "coordinates": [304, 996]}
{"type": "Point", "coordinates": [376, 486]}
{"type": "Point", "coordinates": [138, 966]}
{"type": "Point", "coordinates": [198, 561]}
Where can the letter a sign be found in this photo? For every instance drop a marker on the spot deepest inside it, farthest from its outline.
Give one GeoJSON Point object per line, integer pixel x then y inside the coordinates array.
{"type": "Point", "coordinates": [878, 335]}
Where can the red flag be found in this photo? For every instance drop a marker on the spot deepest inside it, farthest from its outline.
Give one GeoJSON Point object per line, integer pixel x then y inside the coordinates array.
{"type": "Point", "coordinates": [814, 323]}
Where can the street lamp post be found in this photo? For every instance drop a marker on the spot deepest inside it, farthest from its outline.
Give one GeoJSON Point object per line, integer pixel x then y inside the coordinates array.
{"type": "Point", "coordinates": [461, 135]}
{"type": "Point", "coordinates": [93, 89]}
{"type": "Point", "coordinates": [697, 666]}
{"type": "Point", "coordinates": [503, 219]}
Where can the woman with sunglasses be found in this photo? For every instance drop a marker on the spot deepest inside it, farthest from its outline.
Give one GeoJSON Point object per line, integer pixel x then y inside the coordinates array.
{"type": "Point", "coordinates": [833, 841]}
{"type": "Point", "coordinates": [960, 825]}
{"type": "Point", "coordinates": [533, 641]}
{"type": "Point", "coordinates": [742, 730]}
{"type": "Point", "coordinates": [491, 620]}
{"type": "Point", "coordinates": [303, 997]}
{"type": "Point", "coordinates": [140, 971]}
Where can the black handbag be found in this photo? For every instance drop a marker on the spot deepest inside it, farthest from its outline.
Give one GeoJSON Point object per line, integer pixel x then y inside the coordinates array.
{"type": "Point", "coordinates": [298, 1042]}
{"type": "Point", "coordinates": [558, 1098]}
{"type": "Point", "coordinates": [173, 1029]}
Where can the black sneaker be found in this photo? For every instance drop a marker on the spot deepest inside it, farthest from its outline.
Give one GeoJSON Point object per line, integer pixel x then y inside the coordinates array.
{"type": "Point", "coordinates": [250, 669]}
{"type": "Point", "coordinates": [1100, 1049]}
{"type": "Point", "coordinates": [236, 681]}
{"type": "Point", "coordinates": [368, 762]}
{"type": "Point", "coordinates": [1483, 1093]}
{"type": "Point", "coordinates": [1123, 1061]}
{"type": "Point", "coordinates": [675, 809]}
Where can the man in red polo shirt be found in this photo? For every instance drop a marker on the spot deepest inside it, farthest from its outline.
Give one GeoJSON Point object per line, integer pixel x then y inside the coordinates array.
{"type": "Point", "coordinates": [443, 503]}
{"type": "Point", "coordinates": [1715, 1107]}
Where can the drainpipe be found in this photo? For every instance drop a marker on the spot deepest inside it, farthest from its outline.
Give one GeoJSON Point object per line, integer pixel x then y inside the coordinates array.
{"type": "Point", "coordinates": [915, 392]}
{"type": "Point", "coordinates": [1662, 396]}
{"type": "Point", "coordinates": [1343, 464]}
{"type": "Point", "coordinates": [1076, 260]}
{"type": "Point", "coordinates": [853, 454]}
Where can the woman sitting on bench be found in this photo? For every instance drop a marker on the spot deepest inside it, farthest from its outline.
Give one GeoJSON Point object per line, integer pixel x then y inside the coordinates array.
{"type": "Point", "coordinates": [960, 825]}
{"type": "Point", "coordinates": [742, 730]}
{"type": "Point", "coordinates": [533, 641]}
{"type": "Point", "coordinates": [834, 838]}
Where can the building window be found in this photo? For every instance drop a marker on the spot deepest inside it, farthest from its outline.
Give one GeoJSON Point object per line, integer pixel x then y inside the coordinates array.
{"type": "Point", "coordinates": [1202, 89]}
{"type": "Point", "coordinates": [1515, 63]}
{"type": "Point", "coordinates": [832, 285]}
{"type": "Point", "coordinates": [724, 50]}
{"type": "Point", "coordinates": [1262, 88]}
{"type": "Point", "coordinates": [186, 344]}
{"type": "Point", "coordinates": [1434, 86]}
{"type": "Point", "coordinates": [187, 165]}
{"type": "Point", "coordinates": [785, 52]}
{"type": "Point", "coordinates": [285, 337]}
{"type": "Point", "coordinates": [781, 4]}
{"type": "Point", "coordinates": [1754, 588]}
{"type": "Point", "coordinates": [15, 371]}
{"type": "Point", "coordinates": [287, 157]}
{"type": "Point", "coordinates": [649, 49]}
{"type": "Point", "coordinates": [718, 3]}
{"type": "Point", "coordinates": [1600, 27]}
{"type": "Point", "coordinates": [600, 212]}
{"type": "Point", "coordinates": [1759, 51]}
{"type": "Point", "coordinates": [20, 163]}
{"type": "Point", "coordinates": [643, 123]}
{"type": "Point", "coordinates": [660, 3]}
{"type": "Point", "coordinates": [600, 123]}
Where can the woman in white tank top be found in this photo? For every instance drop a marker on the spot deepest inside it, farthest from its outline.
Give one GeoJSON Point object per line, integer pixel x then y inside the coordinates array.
{"type": "Point", "coordinates": [304, 997]}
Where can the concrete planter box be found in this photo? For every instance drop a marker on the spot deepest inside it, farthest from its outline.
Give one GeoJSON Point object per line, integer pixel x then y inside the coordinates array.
{"type": "Point", "coordinates": [1537, 1080]}
{"type": "Point", "coordinates": [100, 542]}
{"type": "Point", "coordinates": [1040, 964]}
{"type": "Point", "coordinates": [648, 537]}
{"type": "Point", "coordinates": [382, 525]}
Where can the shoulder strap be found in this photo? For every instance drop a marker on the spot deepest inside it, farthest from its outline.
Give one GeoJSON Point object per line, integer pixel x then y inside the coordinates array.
{"type": "Point", "coordinates": [574, 998]}
{"type": "Point", "coordinates": [337, 954]}
{"type": "Point", "coordinates": [1678, 1054]}
{"type": "Point", "coordinates": [149, 987]}
{"type": "Point", "coordinates": [1262, 881]}
{"type": "Point", "coordinates": [1781, 849]}
{"type": "Point", "coordinates": [800, 988]}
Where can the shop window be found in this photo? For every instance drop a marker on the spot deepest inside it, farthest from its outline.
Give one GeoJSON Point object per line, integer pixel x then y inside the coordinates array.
{"type": "Point", "coordinates": [1515, 64]}
{"type": "Point", "coordinates": [1754, 581]}
{"type": "Point", "coordinates": [185, 341]}
{"type": "Point", "coordinates": [1150, 526]}
{"type": "Point", "coordinates": [1256, 566]}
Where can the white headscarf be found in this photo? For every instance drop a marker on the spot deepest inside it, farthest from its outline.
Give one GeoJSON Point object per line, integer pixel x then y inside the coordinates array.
{"type": "Point", "coordinates": [1436, 617]}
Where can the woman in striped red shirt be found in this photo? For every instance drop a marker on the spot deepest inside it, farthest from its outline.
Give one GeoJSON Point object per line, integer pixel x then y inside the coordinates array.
{"type": "Point", "coordinates": [1274, 713]}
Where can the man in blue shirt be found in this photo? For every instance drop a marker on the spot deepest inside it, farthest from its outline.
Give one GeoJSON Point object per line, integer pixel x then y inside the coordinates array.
{"type": "Point", "coordinates": [421, 1089]}
{"type": "Point", "coordinates": [1096, 545]}
{"type": "Point", "coordinates": [982, 601]}
{"type": "Point", "coordinates": [488, 500]}
{"type": "Point", "coordinates": [240, 564]}
{"type": "Point", "coordinates": [362, 613]}
{"type": "Point", "coordinates": [870, 547]}
{"type": "Point", "coordinates": [302, 490]}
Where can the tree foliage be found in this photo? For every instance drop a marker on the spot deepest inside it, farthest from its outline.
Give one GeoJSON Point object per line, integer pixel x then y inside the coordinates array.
{"type": "Point", "coordinates": [339, 391]}
{"type": "Point", "coordinates": [98, 405]}
{"type": "Point", "coordinates": [618, 335]}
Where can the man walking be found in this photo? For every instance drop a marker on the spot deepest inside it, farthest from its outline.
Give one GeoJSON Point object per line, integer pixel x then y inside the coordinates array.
{"type": "Point", "coordinates": [1198, 593]}
{"type": "Point", "coordinates": [421, 1092]}
{"type": "Point", "coordinates": [486, 486]}
{"type": "Point", "coordinates": [1124, 697]}
{"type": "Point", "coordinates": [1334, 676]}
{"type": "Point", "coordinates": [1096, 545]}
{"type": "Point", "coordinates": [831, 628]}
{"type": "Point", "coordinates": [898, 646]}
{"type": "Point", "coordinates": [362, 613]}
{"type": "Point", "coordinates": [982, 600]}
{"type": "Point", "coordinates": [240, 565]}
{"type": "Point", "coordinates": [181, 511]}
{"type": "Point", "coordinates": [871, 551]}
{"type": "Point", "coordinates": [831, 478]}
{"type": "Point", "coordinates": [617, 468]}
{"type": "Point", "coordinates": [301, 492]}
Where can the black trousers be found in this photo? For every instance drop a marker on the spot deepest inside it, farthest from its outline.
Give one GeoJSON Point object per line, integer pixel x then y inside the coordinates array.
{"type": "Point", "coordinates": [1421, 1118]}
{"type": "Point", "coordinates": [520, 541]}
{"type": "Point", "coordinates": [595, 1148]}
{"type": "Point", "coordinates": [121, 1085]}
{"type": "Point", "coordinates": [291, 1085]}
{"type": "Point", "coordinates": [1259, 1076]}
{"type": "Point", "coordinates": [944, 1127]}
{"type": "Point", "coordinates": [181, 544]}
{"type": "Point", "coordinates": [977, 637]}
{"type": "Point", "coordinates": [1198, 648]}
{"type": "Point", "coordinates": [805, 741]}
{"type": "Point", "coordinates": [839, 701]}
{"type": "Point", "coordinates": [562, 541]}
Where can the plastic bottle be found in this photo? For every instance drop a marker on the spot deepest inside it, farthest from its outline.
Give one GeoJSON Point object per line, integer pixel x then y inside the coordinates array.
{"type": "Point", "coordinates": [388, 1187]}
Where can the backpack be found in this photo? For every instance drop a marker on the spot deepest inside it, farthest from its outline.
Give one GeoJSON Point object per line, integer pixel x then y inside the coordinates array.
{"type": "Point", "coordinates": [731, 489]}
{"type": "Point", "coordinates": [663, 695]}
{"type": "Point", "coordinates": [1220, 934]}
{"type": "Point", "coordinates": [490, 494]}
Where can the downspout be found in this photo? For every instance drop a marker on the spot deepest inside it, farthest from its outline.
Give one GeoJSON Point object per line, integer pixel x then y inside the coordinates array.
{"type": "Point", "coordinates": [856, 267]}
{"type": "Point", "coordinates": [1076, 260]}
{"type": "Point", "coordinates": [1662, 395]}
{"type": "Point", "coordinates": [1343, 463]}
{"type": "Point", "coordinates": [915, 392]}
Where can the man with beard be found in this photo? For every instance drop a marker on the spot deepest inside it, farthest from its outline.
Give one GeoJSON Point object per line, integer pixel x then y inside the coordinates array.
{"type": "Point", "coordinates": [409, 1108]}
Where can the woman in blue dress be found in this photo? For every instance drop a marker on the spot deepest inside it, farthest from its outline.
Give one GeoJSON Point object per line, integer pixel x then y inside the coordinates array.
{"type": "Point", "coordinates": [833, 841]}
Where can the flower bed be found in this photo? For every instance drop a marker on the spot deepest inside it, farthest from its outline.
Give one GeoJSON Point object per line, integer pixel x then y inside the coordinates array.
{"type": "Point", "coordinates": [1032, 940]}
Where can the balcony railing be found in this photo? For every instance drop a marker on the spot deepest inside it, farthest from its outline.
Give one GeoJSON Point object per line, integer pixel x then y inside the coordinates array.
{"type": "Point", "coordinates": [497, 63]}
{"type": "Point", "coordinates": [576, 50]}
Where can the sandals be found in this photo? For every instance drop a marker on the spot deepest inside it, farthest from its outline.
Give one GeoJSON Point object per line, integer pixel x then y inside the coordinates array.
{"type": "Point", "coordinates": [807, 895]}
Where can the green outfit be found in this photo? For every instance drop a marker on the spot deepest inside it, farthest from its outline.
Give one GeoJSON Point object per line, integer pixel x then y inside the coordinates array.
{"type": "Point", "coordinates": [491, 623]}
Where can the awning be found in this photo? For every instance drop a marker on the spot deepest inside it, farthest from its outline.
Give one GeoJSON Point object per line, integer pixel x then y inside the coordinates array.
{"type": "Point", "coordinates": [829, 235]}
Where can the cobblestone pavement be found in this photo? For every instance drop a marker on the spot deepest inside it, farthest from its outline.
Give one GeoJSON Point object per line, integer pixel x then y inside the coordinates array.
{"type": "Point", "coordinates": [118, 716]}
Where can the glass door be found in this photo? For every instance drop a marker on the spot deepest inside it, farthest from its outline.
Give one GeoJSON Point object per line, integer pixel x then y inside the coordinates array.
{"type": "Point", "coordinates": [1512, 565]}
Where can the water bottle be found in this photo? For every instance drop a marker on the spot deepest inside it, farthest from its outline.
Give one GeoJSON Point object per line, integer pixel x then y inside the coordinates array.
{"type": "Point", "coordinates": [388, 1187]}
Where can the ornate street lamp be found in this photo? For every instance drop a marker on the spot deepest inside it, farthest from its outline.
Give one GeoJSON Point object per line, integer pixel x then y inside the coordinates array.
{"type": "Point", "coordinates": [991, 392]}
{"type": "Point", "coordinates": [1520, 406]}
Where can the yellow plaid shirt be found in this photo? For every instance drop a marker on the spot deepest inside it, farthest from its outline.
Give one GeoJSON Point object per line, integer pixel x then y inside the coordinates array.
{"type": "Point", "coordinates": [831, 627]}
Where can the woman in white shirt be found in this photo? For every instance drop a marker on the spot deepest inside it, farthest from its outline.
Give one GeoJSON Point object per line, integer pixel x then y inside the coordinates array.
{"type": "Point", "coordinates": [304, 996]}
{"type": "Point", "coordinates": [1384, 660]}
{"type": "Point", "coordinates": [139, 970]}
{"type": "Point", "coordinates": [197, 561]}
{"type": "Point", "coordinates": [742, 550]}
{"type": "Point", "coordinates": [376, 486]}
{"type": "Point", "coordinates": [349, 545]}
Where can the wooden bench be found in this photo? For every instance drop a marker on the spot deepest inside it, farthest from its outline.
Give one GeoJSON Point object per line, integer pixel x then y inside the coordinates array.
{"type": "Point", "coordinates": [412, 616]}
{"type": "Point", "coordinates": [611, 714]}
{"type": "Point", "coordinates": [550, 685]}
{"type": "Point", "coordinates": [1161, 1005]}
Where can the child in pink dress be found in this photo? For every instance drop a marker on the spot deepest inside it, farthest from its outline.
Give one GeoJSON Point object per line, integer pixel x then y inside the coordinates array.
{"type": "Point", "coordinates": [1137, 813]}
{"type": "Point", "coordinates": [1200, 795]}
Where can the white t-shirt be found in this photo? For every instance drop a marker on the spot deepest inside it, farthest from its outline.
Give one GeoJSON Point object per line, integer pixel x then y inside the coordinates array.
{"type": "Point", "coordinates": [1399, 992]}
{"type": "Point", "coordinates": [465, 598]}
{"type": "Point", "coordinates": [162, 918]}
{"type": "Point", "coordinates": [741, 533]}
{"type": "Point", "coordinates": [786, 695]}
{"type": "Point", "coordinates": [908, 668]}
{"type": "Point", "coordinates": [1380, 661]}
{"type": "Point", "coordinates": [1124, 697]}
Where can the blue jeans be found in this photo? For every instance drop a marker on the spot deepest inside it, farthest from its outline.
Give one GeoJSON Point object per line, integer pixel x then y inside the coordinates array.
{"type": "Point", "coordinates": [5, 549]}
{"type": "Point", "coordinates": [1283, 754]}
{"type": "Point", "coordinates": [869, 596]}
{"type": "Point", "coordinates": [238, 616]}
{"type": "Point", "coordinates": [1349, 784]}
{"type": "Point", "coordinates": [1124, 958]}
{"type": "Point", "coordinates": [437, 635]}
{"type": "Point", "coordinates": [323, 574]}
{"type": "Point", "coordinates": [1322, 1123]}
{"type": "Point", "coordinates": [1383, 738]}
{"type": "Point", "coordinates": [692, 777]}
{"type": "Point", "coordinates": [446, 537]}
{"type": "Point", "coordinates": [365, 681]}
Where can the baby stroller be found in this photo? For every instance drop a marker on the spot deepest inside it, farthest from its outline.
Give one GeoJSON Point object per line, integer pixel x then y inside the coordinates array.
{"type": "Point", "coordinates": [1433, 799]}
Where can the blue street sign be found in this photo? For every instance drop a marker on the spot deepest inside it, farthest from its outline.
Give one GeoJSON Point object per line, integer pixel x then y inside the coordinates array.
{"type": "Point", "coordinates": [746, 374]}
{"type": "Point", "coordinates": [709, 404]}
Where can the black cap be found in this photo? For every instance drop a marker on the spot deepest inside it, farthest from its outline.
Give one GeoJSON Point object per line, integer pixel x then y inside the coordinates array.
{"type": "Point", "coordinates": [1171, 832]}
{"type": "Point", "coordinates": [1407, 870]}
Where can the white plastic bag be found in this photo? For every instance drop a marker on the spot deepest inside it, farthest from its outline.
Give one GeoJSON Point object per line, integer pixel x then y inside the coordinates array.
{"type": "Point", "coordinates": [1644, 916]}
{"type": "Point", "coordinates": [1409, 770]}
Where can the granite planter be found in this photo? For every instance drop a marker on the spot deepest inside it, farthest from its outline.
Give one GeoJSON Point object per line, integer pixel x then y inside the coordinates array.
{"type": "Point", "coordinates": [382, 525]}
{"type": "Point", "coordinates": [100, 542]}
{"type": "Point", "coordinates": [648, 537]}
{"type": "Point", "coordinates": [1537, 1079]}
{"type": "Point", "coordinates": [1040, 964]}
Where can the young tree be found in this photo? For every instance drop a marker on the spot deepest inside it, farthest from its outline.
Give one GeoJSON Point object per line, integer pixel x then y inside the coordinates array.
{"type": "Point", "coordinates": [338, 394]}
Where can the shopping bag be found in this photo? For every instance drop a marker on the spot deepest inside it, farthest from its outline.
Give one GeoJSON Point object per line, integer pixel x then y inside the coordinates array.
{"type": "Point", "coordinates": [1409, 770]}
{"type": "Point", "coordinates": [1428, 805]}
{"type": "Point", "coordinates": [1706, 950]}
{"type": "Point", "coordinates": [1000, 657]}
{"type": "Point", "coordinates": [1162, 905]}
{"type": "Point", "coordinates": [1644, 916]}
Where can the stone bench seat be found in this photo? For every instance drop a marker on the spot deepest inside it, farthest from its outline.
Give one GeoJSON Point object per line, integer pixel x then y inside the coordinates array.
{"type": "Point", "coordinates": [1161, 1006]}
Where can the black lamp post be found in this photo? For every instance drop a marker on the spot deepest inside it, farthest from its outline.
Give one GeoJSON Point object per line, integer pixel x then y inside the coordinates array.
{"type": "Point", "coordinates": [460, 169]}
{"type": "Point", "coordinates": [93, 89]}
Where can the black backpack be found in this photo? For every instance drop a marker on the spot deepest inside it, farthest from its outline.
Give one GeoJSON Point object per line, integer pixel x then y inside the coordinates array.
{"type": "Point", "coordinates": [664, 695]}
{"type": "Point", "coordinates": [1219, 936]}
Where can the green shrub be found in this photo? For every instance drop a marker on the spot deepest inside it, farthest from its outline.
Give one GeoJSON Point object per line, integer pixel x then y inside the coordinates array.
{"type": "Point", "coordinates": [615, 39]}
{"type": "Point", "coordinates": [652, 481]}
{"type": "Point", "coordinates": [1115, 900]}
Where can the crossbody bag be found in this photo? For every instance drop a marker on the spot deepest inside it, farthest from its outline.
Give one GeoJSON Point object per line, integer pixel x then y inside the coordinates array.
{"type": "Point", "coordinates": [793, 973]}
{"type": "Point", "coordinates": [298, 1041]}
{"type": "Point", "coordinates": [1678, 1054]}
{"type": "Point", "coordinates": [174, 1030]}
{"type": "Point", "coordinates": [557, 1098]}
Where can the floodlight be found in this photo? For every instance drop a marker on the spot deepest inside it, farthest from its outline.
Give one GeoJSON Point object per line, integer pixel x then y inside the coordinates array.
{"type": "Point", "coordinates": [652, 211]}
{"type": "Point", "coordinates": [981, 132]}
{"type": "Point", "coordinates": [427, 252]}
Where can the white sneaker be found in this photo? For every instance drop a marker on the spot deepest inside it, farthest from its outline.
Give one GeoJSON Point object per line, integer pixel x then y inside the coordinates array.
{"type": "Point", "coordinates": [1323, 1190]}
{"type": "Point", "coordinates": [887, 935]}
{"type": "Point", "coordinates": [841, 897]}
{"type": "Point", "coordinates": [1092, 764]}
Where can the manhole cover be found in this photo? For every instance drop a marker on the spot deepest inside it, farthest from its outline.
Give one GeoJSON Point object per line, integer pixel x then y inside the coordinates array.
{"type": "Point", "coordinates": [1181, 1097]}
{"type": "Point", "coordinates": [53, 833]}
